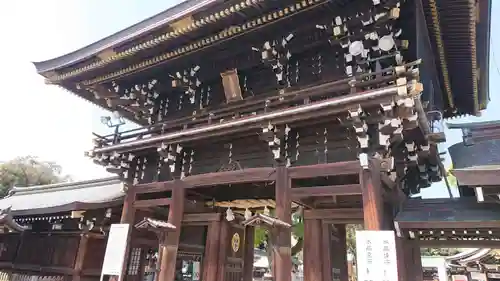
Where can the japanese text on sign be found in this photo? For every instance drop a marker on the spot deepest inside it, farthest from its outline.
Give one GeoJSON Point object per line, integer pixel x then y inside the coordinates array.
{"type": "Point", "coordinates": [376, 256]}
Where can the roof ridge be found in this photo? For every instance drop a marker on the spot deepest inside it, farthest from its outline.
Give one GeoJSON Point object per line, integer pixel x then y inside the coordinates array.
{"type": "Point", "coordinates": [62, 186]}
{"type": "Point", "coordinates": [160, 19]}
{"type": "Point", "coordinates": [472, 124]}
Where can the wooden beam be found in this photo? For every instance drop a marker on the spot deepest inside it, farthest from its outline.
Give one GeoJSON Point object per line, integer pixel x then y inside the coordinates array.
{"type": "Point", "coordinates": [333, 214]}
{"type": "Point", "coordinates": [139, 204]}
{"type": "Point", "coordinates": [154, 187]}
{"type": "Point", "coordinates": [329, 190]}
{"type": "Point", "coordinates": [231, 177]}
{"type": "Point", "coordinates": [371, 185]}
{"type": "Point", "coordinates": [201, 217]}
{"type": "Point", "coordinates": [441, 225]}
{"type": "Point", "coordinates": [459, 244]}
{"type": "Point", "coordinates": [324, 170]}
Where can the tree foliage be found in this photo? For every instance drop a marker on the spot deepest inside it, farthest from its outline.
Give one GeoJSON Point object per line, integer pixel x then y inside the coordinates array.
{"type": "Point", "coordinates": [351, 237]}
{"type": "Point", "coordinates": [452, 180]}
{"type": "Point", "coordinates": [442, 252]}
{"type": "Point", "coordinates": [28, 171]}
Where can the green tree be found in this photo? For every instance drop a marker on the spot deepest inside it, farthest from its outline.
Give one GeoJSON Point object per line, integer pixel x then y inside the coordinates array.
{"type": "Point", "coordinates": [443, 252]}
{"type": "Point", "coordinates": [28, 171]}
{"type": "Point", "coordinates": [351, 238]}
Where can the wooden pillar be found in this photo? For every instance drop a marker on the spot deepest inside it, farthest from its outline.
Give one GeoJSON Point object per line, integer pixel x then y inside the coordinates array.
{"type": "Point", "coordinates": [282, 252]}
{"type": "Point", "coordinates": [210, 260]}
{"type": "Point", "coordinates": [128, 216]}
{"type": "Point", "coordinates": [171, 241]}
{"type": "Point", "coordinates": [341, 251]}
{"type": "Point", "coordinates": [312, 250]}
{"type": "Point", "coordinates": [416, 272]}
{"type": "Point", "coordinates": [248, 253]}
{"type": "Point", "coordinates": [80, 257]}
{"type": "Point", "coordinates": [223, 247]}
{"type": "Point", "coordinates": [326, 245]}
{"type": "Point", "coordinates": [371, 185]}
{"type": "Point", "coordinates": [403, 259]}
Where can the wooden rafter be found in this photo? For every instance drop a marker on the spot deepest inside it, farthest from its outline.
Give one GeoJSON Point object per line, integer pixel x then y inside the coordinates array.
{"type": "Point", "coordinates": [329, 190]}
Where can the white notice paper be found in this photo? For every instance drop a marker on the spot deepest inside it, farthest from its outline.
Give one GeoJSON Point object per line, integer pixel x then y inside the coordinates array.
{"type": "Point", "coordinates": [196, 270]}
{"type": "Point", "coordinates": [376, 256]}
{"type": "Point", "coordinates": [115, 250]}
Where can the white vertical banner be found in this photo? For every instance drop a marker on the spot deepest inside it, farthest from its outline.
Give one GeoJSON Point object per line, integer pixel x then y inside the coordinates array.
{"type": "Point", "coordinates": [196, 270]}
{"type": "Point", "coordinates": [376, 256]}
{"type": "Point", "coordinates": [115, 251]}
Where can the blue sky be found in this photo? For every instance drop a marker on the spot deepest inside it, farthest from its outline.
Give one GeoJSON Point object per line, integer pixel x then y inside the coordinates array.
{"type": "Point", "coordinates": [55, 125]}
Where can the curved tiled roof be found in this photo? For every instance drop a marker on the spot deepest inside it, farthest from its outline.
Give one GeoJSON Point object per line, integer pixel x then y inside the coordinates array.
{"type": "Point", "coordinates": [63, 197]}
{"type": "Point", "coordinates": [459, 41]}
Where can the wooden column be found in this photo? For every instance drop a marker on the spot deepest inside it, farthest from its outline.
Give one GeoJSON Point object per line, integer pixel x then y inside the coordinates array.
{"type": "Point", "coordinates": [416, 272]}
{"type": "Point", "coordinates": [341, 251]}
{"type": "Point", "coordinates": [404, 256]}
{"type": "Point", "coordinates": [224, 241]}
{"type": "Point", "coordinates": [282, 252]}
{"type": "Point", "coordinates": [171, 241]}
{"type": "Point", "coordinates": [326, 247]}
{"type": "Point", "coordinates": [312, 250]}
{"type": "Point", "coordinates": [128, 216]}
{"type": "Point", "coordinates": [248, 253]}
{"type": "Point", "coordinates": [371, 187]}
{"type": "Point", "coordinates": [210, 260]}
{"type": "Point", "coordinates": [80, 257]}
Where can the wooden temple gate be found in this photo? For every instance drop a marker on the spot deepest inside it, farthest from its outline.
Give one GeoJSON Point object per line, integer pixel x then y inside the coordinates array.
{"type": "Point", "coordinates": [318, 105]}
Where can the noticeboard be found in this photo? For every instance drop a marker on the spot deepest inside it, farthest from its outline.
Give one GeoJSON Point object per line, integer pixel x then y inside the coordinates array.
{"type": "Point", "coordinates": [115, 252]}
{"type": "Point", "coordinates": [376, 256]}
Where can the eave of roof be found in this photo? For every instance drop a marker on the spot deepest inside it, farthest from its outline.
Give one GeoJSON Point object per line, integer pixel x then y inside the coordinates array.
{"type": "Point", "coordinates": [161, 19]}
{"type": "Point", "coordinates": [64, 197]}
{"type": "Point", "coordinates": [446, 213]}
{"type": "Point", "coordinates": [473, 125]}
{"type": "Point", "coordinates": [486, 175]}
